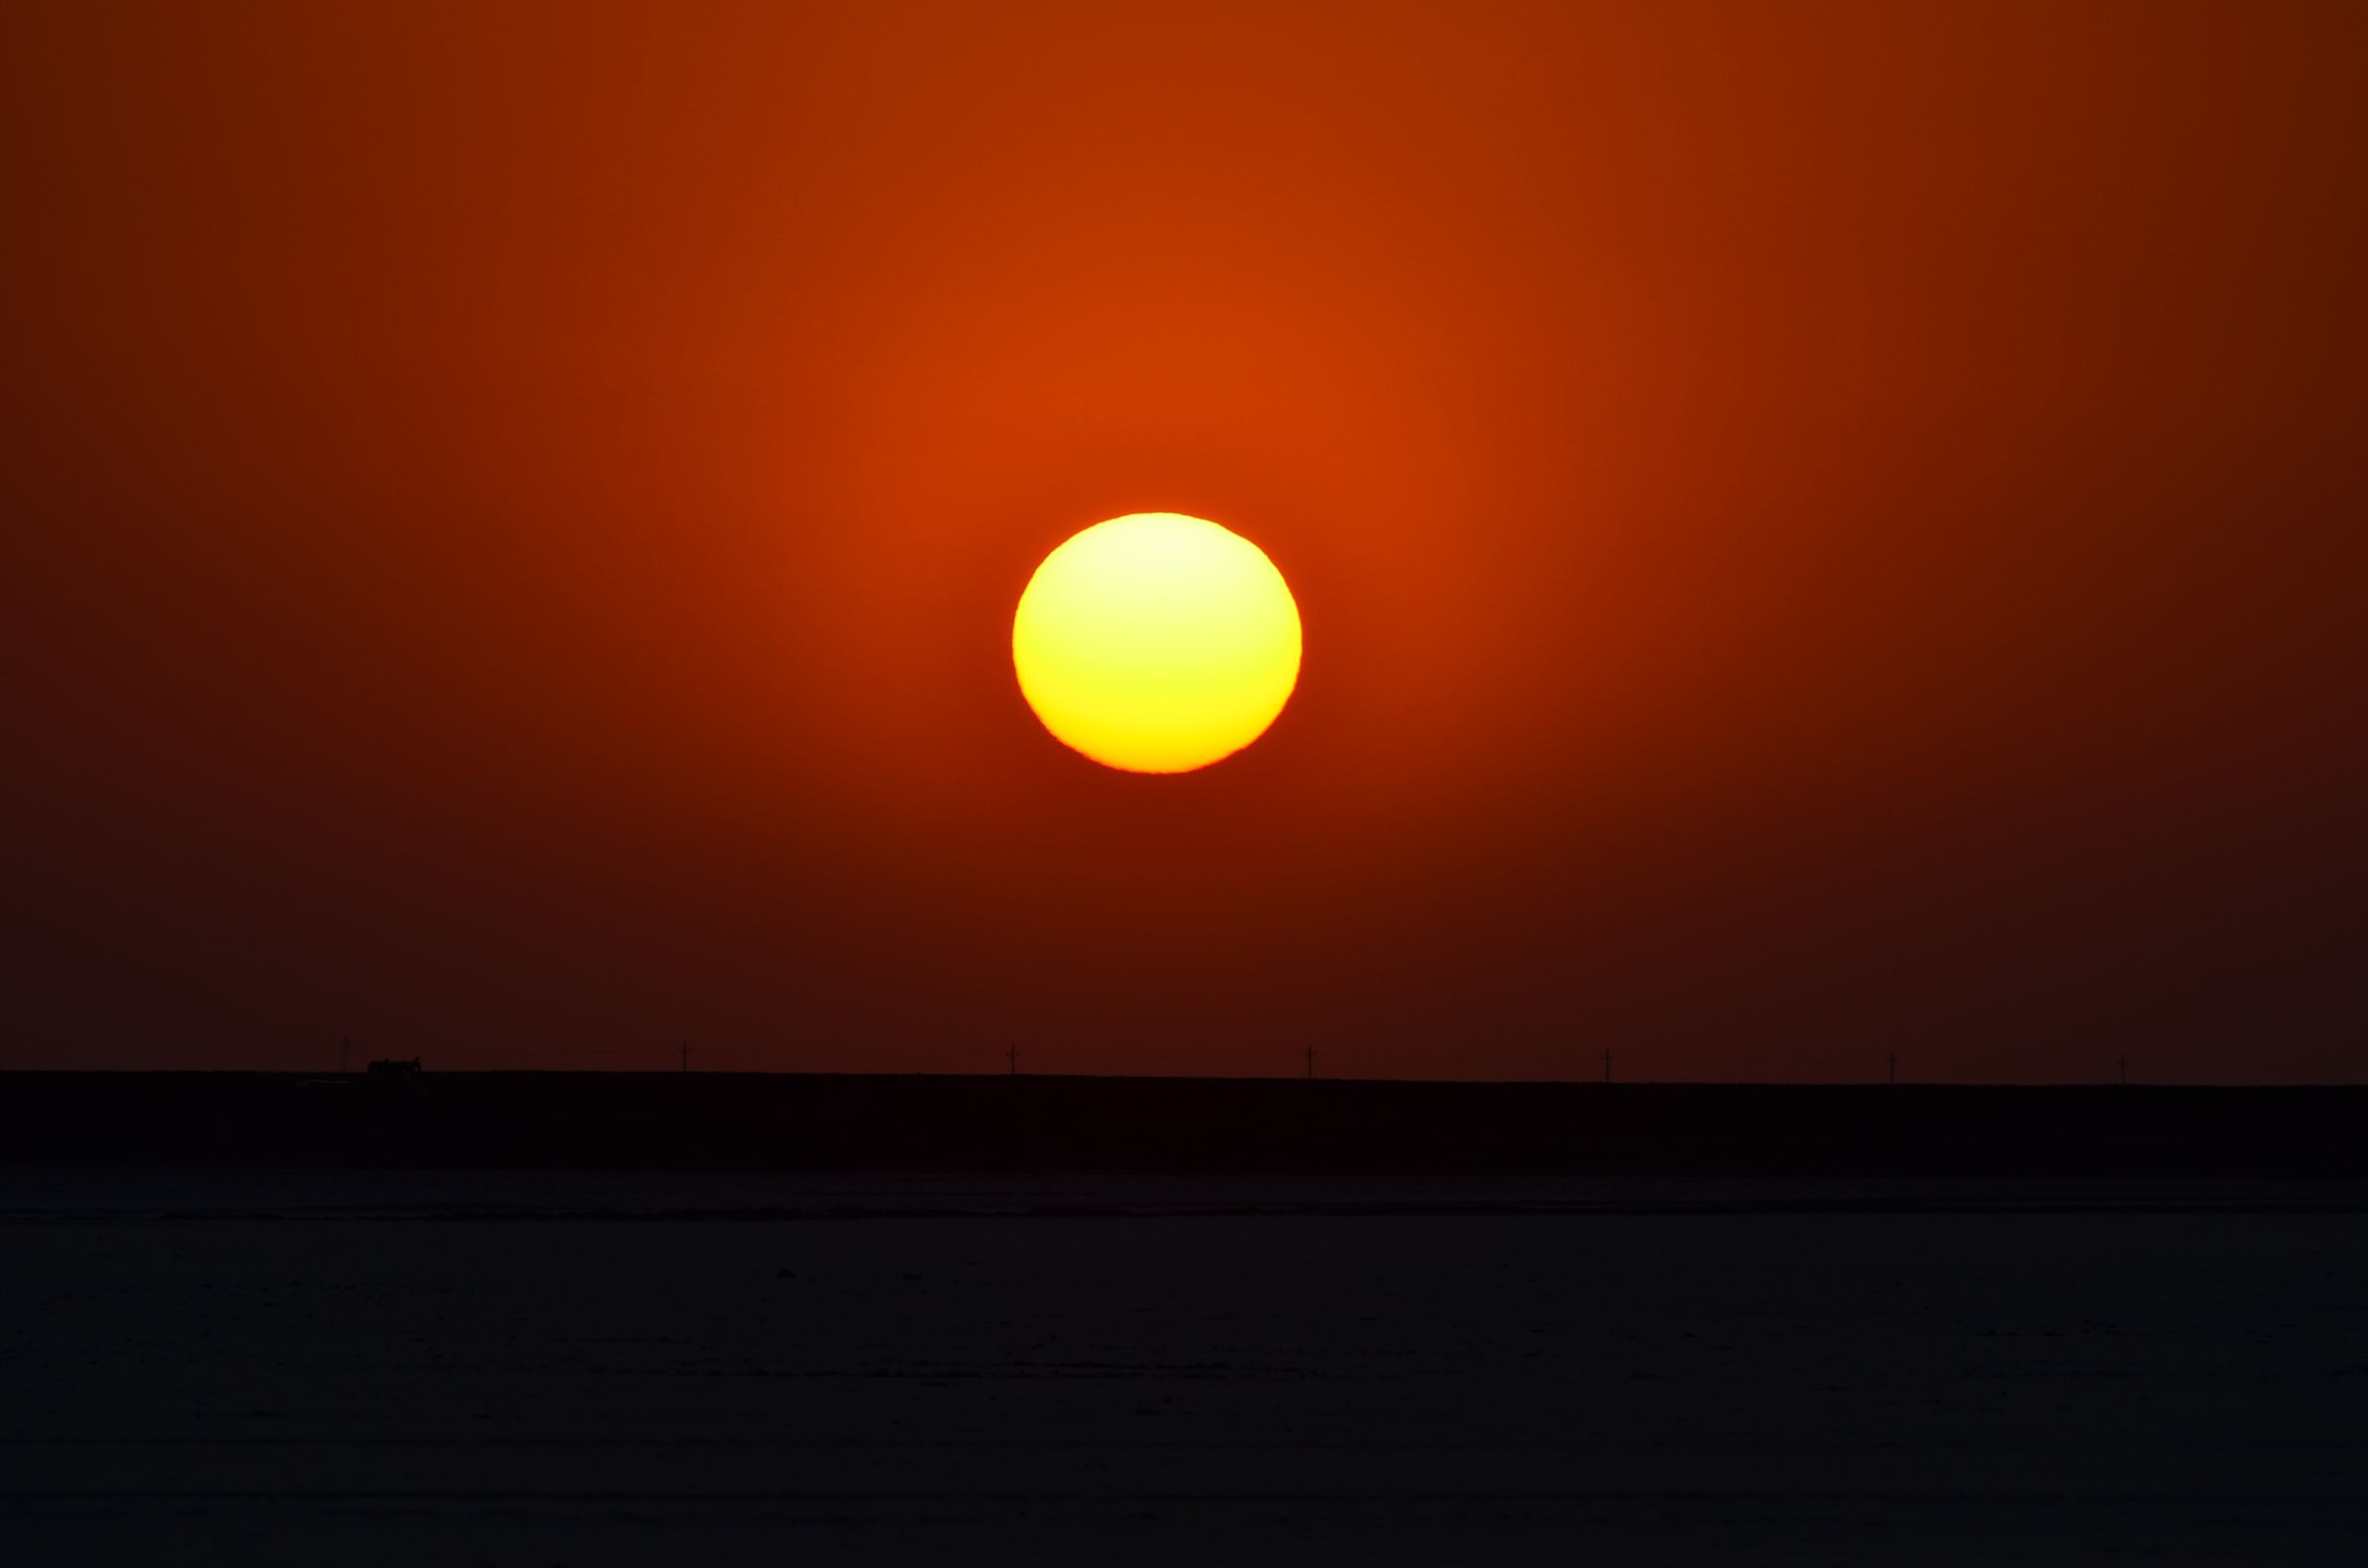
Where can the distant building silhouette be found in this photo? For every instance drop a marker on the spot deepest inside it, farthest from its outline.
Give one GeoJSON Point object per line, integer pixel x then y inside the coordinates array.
{"type": "Point", "coordinates": [394, 1069]}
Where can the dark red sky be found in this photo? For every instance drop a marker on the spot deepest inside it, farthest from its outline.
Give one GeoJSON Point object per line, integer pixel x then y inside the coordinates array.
{"type": "Point", "coordinates": [1820, 529]}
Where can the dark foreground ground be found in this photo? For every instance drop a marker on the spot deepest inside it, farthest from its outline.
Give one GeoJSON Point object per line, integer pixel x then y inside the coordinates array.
{"type": "Point", "coordinates": [347, 1369]}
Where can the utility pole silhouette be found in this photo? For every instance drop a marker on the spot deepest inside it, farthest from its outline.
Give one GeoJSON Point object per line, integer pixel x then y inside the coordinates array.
{"type": "Point", "coordinates": [2121, 1068]}
{"type": "Point", "coordinates": [345, 1054]}
{"type": "Point", "coordinates": [1310, 1061]}
{"type": "Point", "coordinates": [1890, 1067]}
{"type": "Point", "coordinates": [1606, 1066]}
{"type": "Point", "coordinates": [686, 1056]}
{"type": "Point", "coordinates": [1011, 1054]}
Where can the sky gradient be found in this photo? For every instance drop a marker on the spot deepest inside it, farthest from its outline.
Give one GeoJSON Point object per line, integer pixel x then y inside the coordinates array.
{"type": "Point", "coordinates": [1820, 531]}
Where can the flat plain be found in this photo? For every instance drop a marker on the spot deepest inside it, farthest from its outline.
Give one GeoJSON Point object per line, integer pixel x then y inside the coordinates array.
{"type": "Point", "coordinates": [364, 1367]}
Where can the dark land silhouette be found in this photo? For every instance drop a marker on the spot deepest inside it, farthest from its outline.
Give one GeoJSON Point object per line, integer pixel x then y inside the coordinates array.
{"type": "Point", "coordinates": [991, 1123]}
{"type": "Point", "coordinates": [616, 1318]}
{"type": "Point", "coordinates": [360, 1369]}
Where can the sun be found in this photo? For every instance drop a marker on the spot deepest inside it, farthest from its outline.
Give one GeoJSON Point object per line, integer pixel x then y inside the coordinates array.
{"type": "Point", "coordinates": [1156, 643]}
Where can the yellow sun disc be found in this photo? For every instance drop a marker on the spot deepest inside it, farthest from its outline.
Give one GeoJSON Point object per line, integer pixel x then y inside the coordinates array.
{"type": "Point", "coordinates": [1156, 643]}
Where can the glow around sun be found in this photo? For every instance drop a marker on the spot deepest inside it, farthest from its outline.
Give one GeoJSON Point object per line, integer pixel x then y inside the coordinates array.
{"type": "Point", "coordinates": [1156, 643]}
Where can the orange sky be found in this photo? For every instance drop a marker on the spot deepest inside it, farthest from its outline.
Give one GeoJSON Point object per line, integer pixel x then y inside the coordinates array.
{"type": "Point", "coordinates": [1820, 529]}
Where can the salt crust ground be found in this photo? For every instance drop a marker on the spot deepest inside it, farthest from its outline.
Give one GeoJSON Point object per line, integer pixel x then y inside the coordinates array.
{"type": "Point", "coordinates": [369, 1369]}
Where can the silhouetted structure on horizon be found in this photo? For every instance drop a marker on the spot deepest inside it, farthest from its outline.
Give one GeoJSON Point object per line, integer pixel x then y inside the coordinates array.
{"type": "Point", "coordinates": [395, 1070]}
